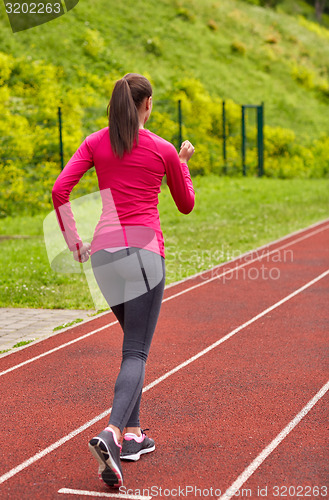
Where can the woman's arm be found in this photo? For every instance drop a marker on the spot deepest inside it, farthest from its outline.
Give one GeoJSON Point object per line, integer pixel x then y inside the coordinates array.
{"type": "Point", "coordinates": [81, 161]}
{"type": "Point", "coordinates": [179, 178]}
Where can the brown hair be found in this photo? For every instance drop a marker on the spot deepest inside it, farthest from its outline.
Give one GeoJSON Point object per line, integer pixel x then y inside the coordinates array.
{"type": "Point", "coordinates": [127, 96]}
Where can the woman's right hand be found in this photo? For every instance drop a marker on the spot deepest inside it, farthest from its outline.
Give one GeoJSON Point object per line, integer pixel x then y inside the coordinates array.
{"type": "Point", "coordinates": [186, 151]}
{"type": "Point", "coordinates": [82, 255]}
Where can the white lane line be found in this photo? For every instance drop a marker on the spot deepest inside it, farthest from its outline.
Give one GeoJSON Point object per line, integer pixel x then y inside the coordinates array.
{"type": "Point", "coordinates": [99, 494]}
{"type": "Point", "coordinates": [230, 492]}
{"type": "Point", "coordinates": [56, 348]}
{"type": "Point", "coordinates": [240, 266]}
{"type": "Point", "coordinates": [231, 270]}
{"type": "Point", "coordinates": [74, 433]}
{"type": "Point", "coordinates": [238, 329]}
{"type": "Point", "coordinates": [250, 252]}
{"type": "Point", "coordinates": [52, 447]}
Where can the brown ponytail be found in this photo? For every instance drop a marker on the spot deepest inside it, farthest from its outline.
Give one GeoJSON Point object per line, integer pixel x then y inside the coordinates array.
{"type": "Point", "coordinates": [127, 96]}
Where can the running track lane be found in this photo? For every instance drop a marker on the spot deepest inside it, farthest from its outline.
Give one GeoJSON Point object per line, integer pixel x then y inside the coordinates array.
{"type": "Point", "coordinates": [272, 251]}
{"type": "Point", "coordinates": [198, 308]}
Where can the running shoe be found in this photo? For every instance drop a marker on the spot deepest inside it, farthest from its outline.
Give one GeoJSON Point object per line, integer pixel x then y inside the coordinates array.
{"type": "Point", "coordinates": [133, 446]}
{"type": "Point", "coordinates": [106, 449]}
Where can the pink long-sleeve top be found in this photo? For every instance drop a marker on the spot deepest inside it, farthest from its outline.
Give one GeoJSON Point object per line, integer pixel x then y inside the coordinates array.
{"type": "Point", "coordinates": [129, 188]}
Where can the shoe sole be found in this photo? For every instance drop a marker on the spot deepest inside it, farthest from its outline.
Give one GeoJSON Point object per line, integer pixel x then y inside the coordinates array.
{"type": "Point", "coordinates": [136, 456]}
{"type": "Point", "coordinates": [109, 472]}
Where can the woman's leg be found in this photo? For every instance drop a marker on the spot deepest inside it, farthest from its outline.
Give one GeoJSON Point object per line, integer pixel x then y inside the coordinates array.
{"type": "Point", "coordinates": [134, 416]}
{"type": "Point", "coordinates": [140, 319]}
{"type": "Point", "coordinates": [144, 278]}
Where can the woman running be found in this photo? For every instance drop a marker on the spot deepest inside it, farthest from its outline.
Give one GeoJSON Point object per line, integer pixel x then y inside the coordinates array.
{"type": "Point", "coordinates": [127, 250]}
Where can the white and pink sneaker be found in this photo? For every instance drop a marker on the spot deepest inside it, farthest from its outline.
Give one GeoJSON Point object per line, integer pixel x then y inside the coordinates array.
{"type": "Point", "coordinates": [133, 446]}
{"type": "Point", "coordinates": [106, 449]}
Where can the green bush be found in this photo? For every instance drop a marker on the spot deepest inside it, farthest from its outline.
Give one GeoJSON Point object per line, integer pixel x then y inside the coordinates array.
{"type": "Point", "coordinates": [185, 14]}
{"type": "Point", "coordinates": [154, 46]}
{"type": "Point", "coordinates": [162, 124]}
{"type": "Point", "coordinates": [321, 31]}
{"type": "Point", "coordinates": [201, 164]}
{"type": "Point", "coordinates": [284, 158]}
{"type": "Point", "coordinates": [238, 47]}
{"type": "Point", "coordinates": [6, 65]}
{"type": "Point", "coordinates": [320, 151]}
{"type": "Point", "coordinates": [29, 152]}
{"type": "Point", "coordinates": [212, 25]}
{"type": "Point", "coordinates": [278, 141]}
{"type": "Point", "coordinates": [93, 43]}
{"type": "Point", "coordinates": [303, 75]}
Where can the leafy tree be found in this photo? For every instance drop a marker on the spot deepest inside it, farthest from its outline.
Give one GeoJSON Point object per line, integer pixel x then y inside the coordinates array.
{"type": "Point", "coordinates": [320, 6]}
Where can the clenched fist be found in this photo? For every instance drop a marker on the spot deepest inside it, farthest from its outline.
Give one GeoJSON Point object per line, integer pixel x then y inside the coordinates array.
{"type": "Point", "coordinates": [186, 151]}
{"type": "Point", "coordinates": [82, 255]}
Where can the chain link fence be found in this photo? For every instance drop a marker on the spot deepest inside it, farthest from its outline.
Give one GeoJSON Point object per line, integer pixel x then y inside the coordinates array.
{"type": "Point", "coordinates": [167, 120]}
{"type": "Point", "coordinates": [31, 162]}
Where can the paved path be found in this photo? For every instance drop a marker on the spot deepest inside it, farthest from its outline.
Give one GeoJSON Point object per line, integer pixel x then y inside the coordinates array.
{"type": "Point", "coordinates": [18, 324]}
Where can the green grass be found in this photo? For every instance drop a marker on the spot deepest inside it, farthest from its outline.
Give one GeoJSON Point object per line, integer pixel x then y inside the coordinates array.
{"type": "Point", "coordinates": [65, 325]}
{"type": "Point", "coordinates": [23, 342]}
{"type": "Point", "coordinates": [231, 216]}
{"type": "Point", "coordinates": [19, 344]}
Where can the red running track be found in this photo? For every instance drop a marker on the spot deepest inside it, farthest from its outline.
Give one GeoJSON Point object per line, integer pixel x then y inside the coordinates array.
{"type": "Point", "coordinates": [235, 390]}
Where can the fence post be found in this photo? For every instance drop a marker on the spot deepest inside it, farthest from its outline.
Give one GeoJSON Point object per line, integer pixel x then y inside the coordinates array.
{"type": "Point", "coordinates": [260, 139]}
{"type": "Point", "coordinates": [180, 136]}
{"type": "Point", "coordinates": [61, 154]}
{"type": "Point", "coordinates": [243, 142]}
{"type": "Point", "coordinates": [224, 138]}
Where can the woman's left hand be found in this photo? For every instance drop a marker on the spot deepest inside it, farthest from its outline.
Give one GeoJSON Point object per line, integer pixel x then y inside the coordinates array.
{"type": "Point", "coordinates": [82, 255]}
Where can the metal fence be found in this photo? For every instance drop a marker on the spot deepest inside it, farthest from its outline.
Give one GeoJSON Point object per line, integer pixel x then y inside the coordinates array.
{"type": "Point", "coordinates": [55, 150]}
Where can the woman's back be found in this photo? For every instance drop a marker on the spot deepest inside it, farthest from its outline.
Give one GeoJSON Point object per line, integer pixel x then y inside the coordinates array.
{"type": "Point", "coordinates": [136, 178]}
{"type": "Point", "coordinates": [129, 187]}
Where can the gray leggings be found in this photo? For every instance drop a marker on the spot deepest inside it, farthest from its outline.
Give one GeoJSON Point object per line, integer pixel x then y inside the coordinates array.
{"type": "Point", "coordinates": [132, 282]}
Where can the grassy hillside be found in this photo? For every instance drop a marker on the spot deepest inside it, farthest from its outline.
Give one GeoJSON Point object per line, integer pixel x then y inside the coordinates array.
{"type": "Point", "coordinates": [199, 51]}
{"type": "Point", "coordinates": [275, 57]}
